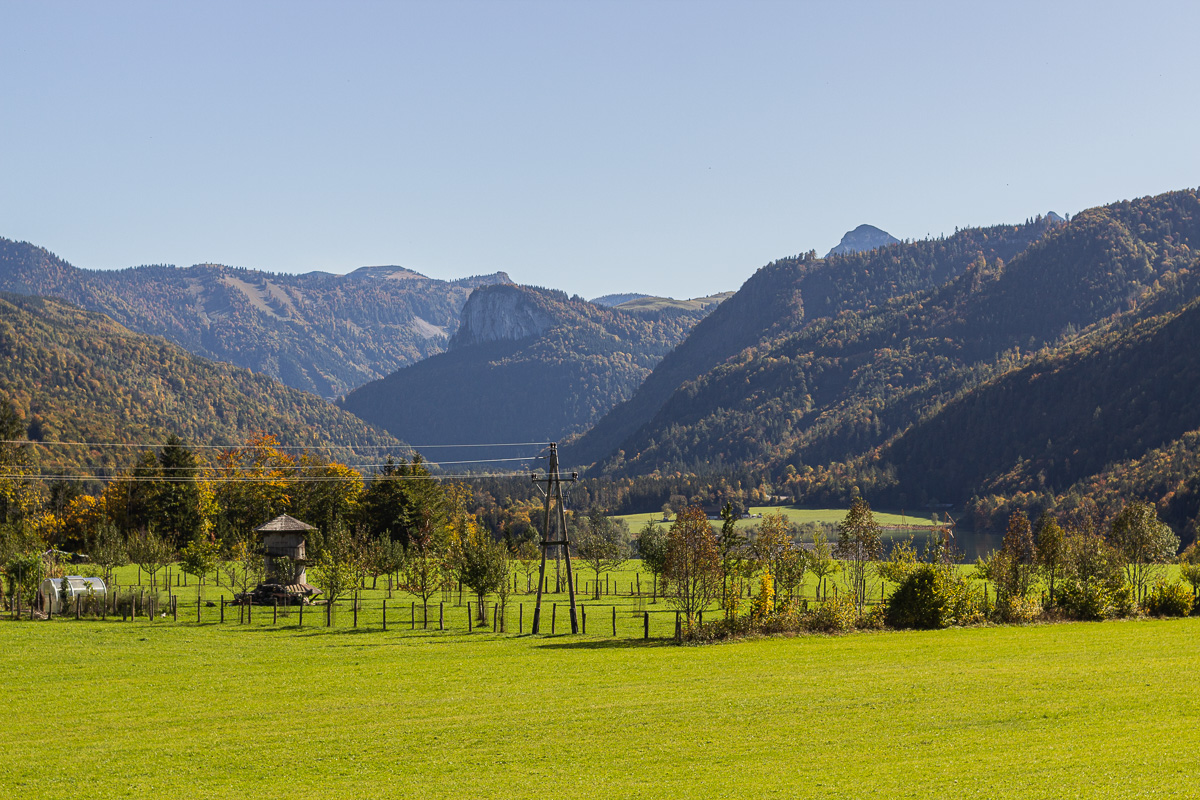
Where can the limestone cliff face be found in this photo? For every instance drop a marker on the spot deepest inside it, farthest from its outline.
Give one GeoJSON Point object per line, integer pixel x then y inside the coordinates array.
{"type": "Point", "coordinates": [501, 312]}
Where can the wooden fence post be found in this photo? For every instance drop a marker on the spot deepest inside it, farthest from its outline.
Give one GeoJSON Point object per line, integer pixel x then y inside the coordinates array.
{"type": "Point", "coordinates": [223, 606]}
{"type": "Point", "coordinates": [412, 610]}
{"type": "Point", "coordinates": [441, 609]}
{"type": "Point", "coordinates": [583, 611]}
{"type": "Point", "coordinates": [175, 607]}
{"type": "Point", "coordinates": [275, 612]}
{"type": "Point", "coordinates": [678, 628]}
{"type": "Point", "coordinates": [328, 613]}
{"type": "Point", "coordinates": [553, 614]}
{"type": "Point", "coordinates": [495, 613]}
{"type": "Point", "coordinates": [301, 612]}
{"type": "Point", "coordinates": [646, 625]}
{"type": "Point", "coordinates": [385, 610]}
{"type": "Point", "coordinates": [355, 601]}
{"type": "Point", "coordinates": [614, 621]}
{"type": "Point", "coordinates": [470, 620]}
{"type": "Point", "coordinates": [520, 618]}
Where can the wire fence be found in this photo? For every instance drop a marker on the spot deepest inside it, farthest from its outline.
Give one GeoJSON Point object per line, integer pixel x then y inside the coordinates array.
{"type": "Point", "coordinates": [359, 614]}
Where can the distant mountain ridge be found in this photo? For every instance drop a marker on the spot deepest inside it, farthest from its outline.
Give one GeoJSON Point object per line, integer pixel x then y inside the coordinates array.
{"type": "Point", "coordinates": [610, 300]}
{"type": "Point", "coordinates": [317, 331]}
{"type": "Point", "coordinates": [526, 364]}
{"type": "Point", "coordinates": [781, 298]}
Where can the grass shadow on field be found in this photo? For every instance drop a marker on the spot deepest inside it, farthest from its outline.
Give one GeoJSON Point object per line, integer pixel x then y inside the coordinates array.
{"type": "Point", "coordinates": [603, 644]}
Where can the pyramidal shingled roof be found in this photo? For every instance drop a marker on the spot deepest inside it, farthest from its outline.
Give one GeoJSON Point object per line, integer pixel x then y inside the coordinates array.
{"type": "Point", "coordinates": [282, 524]}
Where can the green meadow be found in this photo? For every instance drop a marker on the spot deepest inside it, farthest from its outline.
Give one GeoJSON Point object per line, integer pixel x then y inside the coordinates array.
{"type": "Point", "coordinates": [140, 709]}
{"type": "Point", "coordinates": [798, 516]}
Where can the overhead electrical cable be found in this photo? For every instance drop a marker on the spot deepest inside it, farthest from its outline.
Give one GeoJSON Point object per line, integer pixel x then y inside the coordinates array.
{"type": "Point", "coordinates": [132, 445]}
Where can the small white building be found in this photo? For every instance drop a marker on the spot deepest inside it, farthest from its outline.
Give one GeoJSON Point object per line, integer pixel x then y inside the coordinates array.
{"type": "Point", "coordinates": [77, 586]}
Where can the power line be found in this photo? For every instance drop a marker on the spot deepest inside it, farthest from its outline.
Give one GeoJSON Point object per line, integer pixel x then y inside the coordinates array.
{"type": "Point", "coordinates": [262, 479]}
{"type": "Point", "coordinates": [41, 443]}
{"type": "Point", "coordinates": [201, 468]}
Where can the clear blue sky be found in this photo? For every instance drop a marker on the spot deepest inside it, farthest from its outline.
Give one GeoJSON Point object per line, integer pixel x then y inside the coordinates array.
{"type": "Point", "coordinates": [668, 148]}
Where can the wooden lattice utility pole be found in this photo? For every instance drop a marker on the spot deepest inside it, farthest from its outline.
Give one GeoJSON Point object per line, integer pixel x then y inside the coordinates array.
{"type": "Point", "coordinates": [554, 495]}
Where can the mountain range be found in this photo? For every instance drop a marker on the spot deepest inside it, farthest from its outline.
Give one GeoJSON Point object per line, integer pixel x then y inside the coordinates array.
{"type": "Point", "coordinates": [526, 364]}
{"type": "Point", "coordinates": [320, 332]}
{"type": "Point", "coordinates": [1044, 364]}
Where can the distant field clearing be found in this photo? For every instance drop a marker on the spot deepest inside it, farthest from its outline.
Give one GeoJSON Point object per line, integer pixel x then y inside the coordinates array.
{"type": "Point", "coordinates": [798, 516]}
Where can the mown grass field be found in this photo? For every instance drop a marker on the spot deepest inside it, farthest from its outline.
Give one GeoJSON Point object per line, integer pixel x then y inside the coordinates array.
{"type": "Point", "coordinates": [142, 709]}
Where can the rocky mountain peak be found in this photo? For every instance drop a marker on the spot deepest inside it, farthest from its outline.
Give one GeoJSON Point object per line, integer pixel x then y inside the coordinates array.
{"type": "Point", "coordinates": [497, 313]}
{"type": "Point", "coordinates": [861, 239]}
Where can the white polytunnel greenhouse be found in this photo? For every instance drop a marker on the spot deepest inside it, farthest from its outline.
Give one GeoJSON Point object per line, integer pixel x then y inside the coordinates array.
{"type": "Point", "coordinates": [77, 586]}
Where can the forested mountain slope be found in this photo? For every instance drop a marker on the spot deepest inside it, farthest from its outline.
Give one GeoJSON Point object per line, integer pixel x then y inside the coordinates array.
{"type": "Point", "coordinates": [811, 405]}
{"type": "Point", "coordinates": [1066, 415]}
{"type": "Point", "coordinates": [782, 299]}
{"type": "Point", "coordinates": [527, 364]}
{"type": "Point", "coordinates": [77, 376]}
{"type": "Point", "coordinates": [1096, 318]}
{"type": "Point", "coordinates": [319, 332]}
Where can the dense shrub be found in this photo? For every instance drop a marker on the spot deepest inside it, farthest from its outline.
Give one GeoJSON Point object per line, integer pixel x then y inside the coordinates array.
{"type": "Point", "coordinates": [1085, 600]}
{"type": "Point", "coordinates": [930, 597]}
{"type": "Point", "coordinates": [873, 619]}
{"type": "Point", "coordinates": [834, 615]}
{"type": "Point", "coordinates": [1169, 600]}
{"type": "Point", "coordinates": [1018, 609]}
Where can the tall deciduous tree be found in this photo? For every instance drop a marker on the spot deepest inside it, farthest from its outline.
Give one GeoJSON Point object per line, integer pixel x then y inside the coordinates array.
{"type": "Point", "coordinates": [337, 568]}
{"type": "Point", "coordinates": [775, 549]}
{"type": "Point", "coordinates": [602, 542]}
{"type": "Point", "coordinates": [821, 562]}
{"type": "Point", "coordinates": [481, 563]}
{"type": "Point", "coordinates": [652, 547]}
{"type": "Point", "coordinates": [426, 563]}
{"type": "Point", "coordinates": [731, 544]}
{"type": "Point", "coordinates": [199, 556]}
{"type": "Point", "coordinates": [693, 563]}
{"type": "Point", "coordinates": [859, 546]}
{"type": "Point", "coordinates": [149, 551]}
{"type": "Point", "coordinates": [1050, 550]}
{"type": "Point", "coordinates": [1145, 543]}
{"type": "Point", "coordinates": [1013, 568]}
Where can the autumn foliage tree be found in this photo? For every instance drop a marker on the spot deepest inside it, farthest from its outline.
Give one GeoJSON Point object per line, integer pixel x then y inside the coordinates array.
{"type": "Point", "coordinates": [693, 564]}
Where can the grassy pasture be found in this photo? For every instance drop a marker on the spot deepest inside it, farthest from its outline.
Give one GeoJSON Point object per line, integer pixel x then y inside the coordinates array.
{"type": "Point", "coordinates": [798, 516]}
{"type": "Point", "coordinates": [142, 709]}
